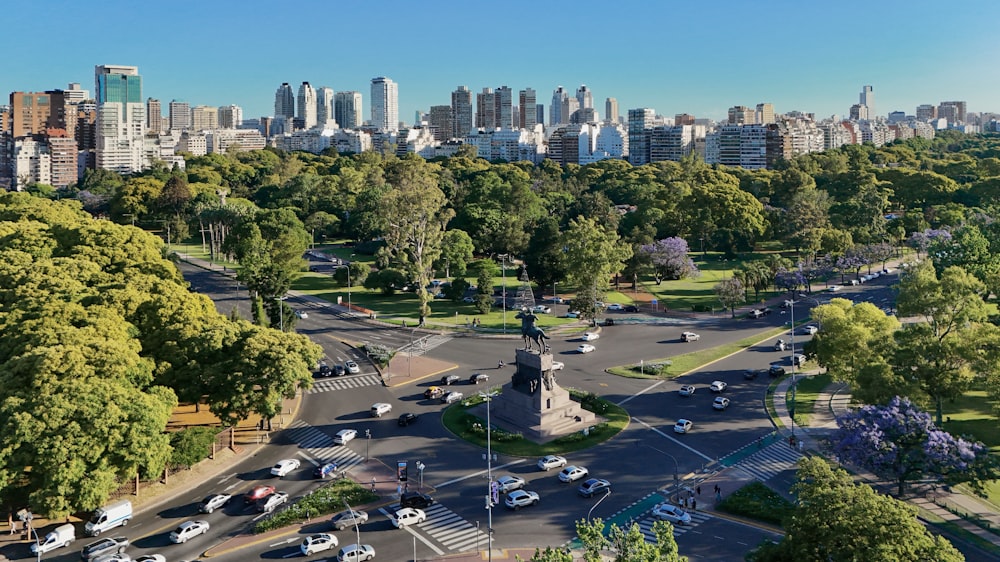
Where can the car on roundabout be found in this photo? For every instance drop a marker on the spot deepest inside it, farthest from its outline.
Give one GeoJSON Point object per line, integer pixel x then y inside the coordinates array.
{"type": "Point", "coordinates": [593, 486]}
{"type": "Point", "coordinates": [616, 307]}
{"type": "Point", "coordinates": [558, 365]}
{"type": "Point", "coordinates": [116, 557]}
{"type": "Point", "coordinates": [406, 419]}
{"type": "Point", "coordinates": [408, 516]}
{"type": "Point", "coordinates": [344, 436]}
{"type": "Point", "coordinates": [585, 348]}
{"type": "Point", "coordinates": [151, 558]}
{"type": "Point", "coordinates": [810, 330]}
{"type": "Point", "coordinates": [776, 371]}
{"type": "Point", "coordinates": [590, 336]}
{"type": "Point", "coordinates": [477, 378]}
{"type": "Point", "coordinates": [672, 513]}
{"type": "Point", "coordinates": [352, 367]}
{"type": "Point", "coordinates": [541, 309]}
{"type": "Point", "coordinates": [325, 471]}
{"type": "Point", "coordinates": [683, 426]}
{"type": "Point", "coordinates": [449, 380]}
{"type": "Point", "coordinates": [718, 386]}
{"type": "Point", "coordinates": [104, 547]}
{"type": "Point", "coordinates": [415, 499]}
{"type": "Point", "coordinates": [549, 462]}
{"type": "Point", "coordinates": [720, 403]}
{"type": "Point", "coordinates": [284, 467]}
{"type": "Point", "coordinates": [521, 498]}
{"type": "Point", "coordinates": [452, 397]}
{"type": "Point", "coordinates": [188, 529]}
{"type": "Point", "coordinates": [573, 473]}
{"type": "Point", "coordinates": [690, 336]}
{"type": "Point", "coordinates": [339, 370]}
{"type": "Point", "coordinates": [301, 314]}
{"type": "Point", "coordinates": [752, 374]}
{"type": "Point", "coordinates": [317, 543]}
{"type": "Point", "coordinates": [213, 502]}
{"type": "Point", "coordinates": [686, 390]}
{"type": "Point", "coordinates": [349, 518]}
{"type": "Point", "coordinates": [506, 484]}
{"type": "Point", "coordinates": [433, 393]}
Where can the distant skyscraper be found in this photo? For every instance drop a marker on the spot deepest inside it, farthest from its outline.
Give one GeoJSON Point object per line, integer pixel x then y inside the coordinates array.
{"type": "Point", "coordinates": [953, 111]}
{"type": "Point", "coordinates": [640, 126]}
{"type": "Point", "coordinates": [926, 112]}
{"type": "Point", "coordinates": [34, 112]}
{"type": "Point", "coordinates": [204, 118]}
{"type": "Point", "coordinates": [528, 109]}
{"type": "Point", "coordinates": [230, 116]}
{"type": "Point", "coordinates": [284, 102]}
{"type": "Point", "coordinates": [121, 119]}
{"type": "Point", "coordinates": [324, 105]}
{"type": "Point", "coordinates": [75, 94]}
{"type": "Point", "coordinates": [154, 115]}
{"type": "Point", "coordinates": [559, 97]}
{"type": "Point", "coordinates": [867, 98]}
{"type": "Point", "coordinates": [540, 115]}
{"type": "Point", "coordinates": [486, 109]}
{"type": "Point", "coordinates": [504, 99]}
{"type": "Point", "coordinates": [584, 97]}
{"type": "Point", "coordinates": [307, 105]}
{"type": "Point", "coordinates": [461, 112]}
{"type": "Point", "coordinates": [180, 115]}
{"type": "Point", "coordinates": [439, 119]}
{"type": "Point", "coordinates": [385, 104]}
{"type": "Point", "coordinates": [765, 113]}
{"type": "Point", "coordinates": [347, 109]}
{"type": "Point", "coordinates": [611, 110]}
{"type": "Point", "coordinates": [742, 115]}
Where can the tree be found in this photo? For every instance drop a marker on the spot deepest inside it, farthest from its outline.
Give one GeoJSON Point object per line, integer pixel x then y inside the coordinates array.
{"type": "Point", "coordinates": [731, 294]}
{"type": "Point", "coordinates": [388, 280]}
{"type": "Point", "coordinates": [854, 336]}
{"type": "Point", "coordinates": [592, 254]}
{"type": "Point", "coordinates": [484, 291]}
{"type": "Point", "coordinates": [901, 443]}
{"type": "Point", "coordinates": [756, 275]}
{"type": "Point", "coordinates": [669, 259]}
{"type": "Point", "coordinates": [550, 554]}
{"type": "Point", "coordinates": [591, 534]}
{"type": "Point", "coordinates": [456, 253]}
{"type": "Point", "coordinates": [837, 520]}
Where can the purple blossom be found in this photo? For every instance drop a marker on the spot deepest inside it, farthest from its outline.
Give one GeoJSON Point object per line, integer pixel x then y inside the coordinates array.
{"type": "Point", "coordinates": [920, 241]}
{"type": "Point", "coordinates": [789, 280]}
{"type": "Point", "coordinates": [670, 259]}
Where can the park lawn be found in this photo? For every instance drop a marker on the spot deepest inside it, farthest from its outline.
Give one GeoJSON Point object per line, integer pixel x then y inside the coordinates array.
{"type": "Point", "coordinates": [972, 414]}
{"type": "Point", "coordinates": [806, 395]}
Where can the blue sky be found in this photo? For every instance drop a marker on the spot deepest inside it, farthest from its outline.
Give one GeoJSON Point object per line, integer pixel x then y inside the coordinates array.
{"type": "Point", "coordinates": [697, 57]}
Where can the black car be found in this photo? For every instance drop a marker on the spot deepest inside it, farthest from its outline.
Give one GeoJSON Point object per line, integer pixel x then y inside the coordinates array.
{"type": "Point", "coordinates": [449, 379]}
{"type": "Point", "coordinates": [477, 378]}
{"type": "Point", "coordinates": [325, 370]}
{"type": "Point", "coordinates": [751, 374]}
{"type": "Point", "coordinates": [339, 370]}
{"type": "Point", "coordinates": [108, 545]}
{"type": "Point", "coordinates": [415, 499]}
{"type": "Point", "coordinates": [631, 308]}
{"type": "Point", "coordinates": [776, 371]}
{"type": "Point", "coordinates": [406, 419]}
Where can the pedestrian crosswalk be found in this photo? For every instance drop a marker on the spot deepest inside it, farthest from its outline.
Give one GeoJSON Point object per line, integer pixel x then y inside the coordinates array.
{"type": "Point", "coordinates": [697, 518]}
{"type": "Point", "coordinates": [770, 461]}
{"type": "Point", "coordinates": [318, 447]}
{"type": "Point", "coordinates": [344, 383]}
{"type": "Point", "coordinates": [447, 528]}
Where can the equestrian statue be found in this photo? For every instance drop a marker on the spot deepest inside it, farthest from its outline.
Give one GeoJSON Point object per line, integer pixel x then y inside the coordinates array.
{"type": "Point", "coordinates": [530, 332]}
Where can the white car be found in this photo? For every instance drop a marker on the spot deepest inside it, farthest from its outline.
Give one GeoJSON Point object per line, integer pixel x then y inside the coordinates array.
{"type": "Point", "coordinates": [151, 558]}
{"type": "Point", "coordinates": [717, 386]}
{"type": "Point", "coordinates": [352, 367]}
{"type": "Point", "coordinates": [521, 498]}
{"type": "Point", "coordinates": [573, 473]}
{"type": "Point", "coordinates": [558, 365]}
{"type": "Point", "coordinates": [408, 516]}
{"type": "Point", "coordinates": [682, 426]}
{"type": "Point", "coordinates": [616, 307]}
{"type": "Point", "coordinates": [590, 336]}
{"type": "Point", "coordinates": [301, 314]}
{"type": "Point", "coordinates": [690, 336]}
{"type": "Point", "coordinates": [188, 529]}
{"type": "Point", "coordinates": [720, 403]}
{"type": "Point", "coordinates": [356, 553]}
{"type": "Point", "coordinates": [344, 436]}
{"type": "Point", "coordinates": [213, 502]}
{"type": "Point", "coordinates": [542, 309]}
{"type": "Point", "coordinates": [380, 408]}
{"type": "Point", "coordinates": [672, 513]}
{"type": "Point", "coordinates": [810, 330]}
{"type": "Point", "coordinates": [585, 348]}
{"type": "Point", "coordinates": [116, 557]}
{"type": "Point", "coordinates": [686, 390]}
{"type": "Point", "coordinates": [284, 467]}
{"type": "Point", "coordinates": [509, 483]}
{"type": "Point", "coordinates": [452, 397]}
{"type": "Point", "coordinates": [270, 503]}
{"type": "Point", "coordinates": [318, 543]}
{"type": "Point", "coordinates": [551, 461]}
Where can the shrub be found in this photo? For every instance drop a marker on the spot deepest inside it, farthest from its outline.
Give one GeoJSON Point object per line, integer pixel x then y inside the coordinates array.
{"type": "Point", "coordinates": [191, 445]}
{"type": "Point", "coordinates": [322, 501]}
{"type": "Point", "coordinates": [378, 353]}
{"type": "Point", "coordinates": [652, 369]}
{"type": "Point", "coordinates": [757, 501]}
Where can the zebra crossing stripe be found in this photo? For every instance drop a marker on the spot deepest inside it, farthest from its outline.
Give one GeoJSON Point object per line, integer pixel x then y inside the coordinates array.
{"type": "Point", "coordinates": [344, 383]}
{"type": "Point", "coordinates": [447, 527]}
{"type": "Point", "coordinates": [770, 461]}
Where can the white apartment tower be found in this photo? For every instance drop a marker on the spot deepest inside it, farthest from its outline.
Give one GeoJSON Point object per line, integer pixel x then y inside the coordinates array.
{"type": "Point", "coordinates": [324, 105]}
{"type": "Point", "coordinates": [121, 119]}
{"type": "Point", "coordinates": [347, 109]}
{"type": "Point", "coordinates": [307, 105]}
{"type": "Point", "coordinates": [640, 125]}
{"type": "Point", "coordinates": [584, 97]}
{"type": "Point", "coordinates": [385, 104]}
{"type": "Point", "coordinates": [180, 115]}
{"type": "Point", "coordinates": [204, 118]}
{"type": "Point", "coordinates": [230, 116]}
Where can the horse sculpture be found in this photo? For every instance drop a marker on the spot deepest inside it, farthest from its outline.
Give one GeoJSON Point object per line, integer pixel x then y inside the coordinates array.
{"type": "Point", "coordinates": [530, 332]}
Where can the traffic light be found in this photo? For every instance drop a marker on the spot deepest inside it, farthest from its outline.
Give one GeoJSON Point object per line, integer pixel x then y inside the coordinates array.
{"type": "Point", "coordinates": [401, 471]}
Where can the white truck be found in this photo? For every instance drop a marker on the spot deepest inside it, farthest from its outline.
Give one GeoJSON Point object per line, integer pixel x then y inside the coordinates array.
{"type": "Point", "coordinates": [59, 537]}
{"type": "Point", "coordinates": [108, 517]}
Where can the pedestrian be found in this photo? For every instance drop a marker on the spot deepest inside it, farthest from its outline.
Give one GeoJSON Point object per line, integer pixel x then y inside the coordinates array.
{"type": "Point", "coordinates": [718, 496]}
{"type": "Point", "coordinates": [10, 521]}
{"type": "Point", "coordinates": [716, 489]}
{"type": "Point", "coordinates": [698, 489]}
{"type": "Point", "coordinates": [694, 504]}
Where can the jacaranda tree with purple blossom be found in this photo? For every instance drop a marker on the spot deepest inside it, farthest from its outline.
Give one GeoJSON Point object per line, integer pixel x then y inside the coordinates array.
{"type": "Point", "coordinates": [899, 442]}
{"type": "Point", "coordinates": [669, 259]}
{"type": "Point", "coordinates": [920, 241]}
{"type": "Point", "coordinates": [789, 280]}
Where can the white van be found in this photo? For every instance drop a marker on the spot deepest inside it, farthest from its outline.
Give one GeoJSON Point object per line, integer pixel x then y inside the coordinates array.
{"type": "Point", "coordinates": [380, 408]}
{"type": "Point", "coordinates": [59, 537]}
{"type": "Point", "coordinates": [108, 517]}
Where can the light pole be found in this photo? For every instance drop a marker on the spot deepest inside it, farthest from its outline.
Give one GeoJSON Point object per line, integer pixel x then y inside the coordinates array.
{"type": "Point", "coordinates": [604, 497]}
{"type": "Point", "coordinates": [355, 519]}
{"type": "Point", "coordinates": [409, 353]}
{"type": "Point", "coordinates": [503, 276]}
{"type": "Point", "coordinates": [281, 312]}
{"type": "Point", "coordinates": [677, 479]}
{"type": "Point", "coordinates": [348, 266]}
{"type": "Point", "coordinates": [488, 398]}
{"type": "Point", "coordinates": [420, 470]}
{"type": "Point", "coordinates": [368, 443]}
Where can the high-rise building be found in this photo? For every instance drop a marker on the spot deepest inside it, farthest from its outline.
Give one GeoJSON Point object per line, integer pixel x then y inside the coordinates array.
{"type": "Point", "coordinates": [611, 110]}
{"type": "Point", "coordinates": [640, 125]}
{"type": "Point", "coordinates": [953, 111]}
{"type": "Point", "coordinates": [75, 94]}
{"type": "Point", "coordinates": [742, 115]}
{"type": "Point", "coordinates": [765, 113]}
{"type": "Point", "coordinates": [34, 112]}
{"type": "Point", "coordinates": [154, 116]}
{"type": "Point", "coordinates": [527, 109]}
{"type": "Point", "coordinates": [461, 112]}
{"type": "Point", "coordinates": [867, 99]}
{"type": "Point", "coordinates": [307, 105]}
{"type": "Point", "coordinates": [385, 104]}
{"type": "Point", "coordinates": [347, 109]}
{"type": "Point", "coordinates": [121, 119]}
{"type": "Point", "coordinates": [504, 113]}
{"type": "Point", "coordinates": [204, 118]}
{"type": "Point", "coordinates": [584, 97]}
{"type": "Point", "coordinates": [180, 115]}
{"type": "Point", "coordinates": [284, 102]}
{"type": "Point", "coordinates": [859, 112]}
{"type": "Point", "coordinates": [230, 117]}
{"type": "Point", "coordinates": [683, 119]}
{"type": "Point", "coordinates": [926, 112]}
{"type": "Point", "coordinates": [486, 110]}
{"type": "Point", "coordinates": [324, 105]}
{"type": "Point", "coordinates": [559, 97]}
{"type": "Point", "coordinates": [540, 114]}
{"type": "Point", "coordinates": [439, 121]}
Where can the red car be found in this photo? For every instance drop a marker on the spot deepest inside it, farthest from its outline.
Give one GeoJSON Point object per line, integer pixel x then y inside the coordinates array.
{"type": "Point", "coordinates": [260, 492]}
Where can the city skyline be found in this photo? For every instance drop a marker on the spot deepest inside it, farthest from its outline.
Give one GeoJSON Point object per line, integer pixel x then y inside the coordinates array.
{"type": "Point", "coordinates": [674, 59]}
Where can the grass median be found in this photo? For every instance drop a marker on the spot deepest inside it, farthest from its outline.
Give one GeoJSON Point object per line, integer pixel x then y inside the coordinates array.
{"type": "Point", "coordinates": [677, 365]}
{"type": "Point", "coordinates": [472, 428]}
{"type": "Point", "coordinates": [323, 501]}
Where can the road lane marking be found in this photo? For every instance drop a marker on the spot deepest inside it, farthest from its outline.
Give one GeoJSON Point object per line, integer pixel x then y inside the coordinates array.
{"type": "Point", "coordinates": [693, 450]}
{"type": "Point", "coordinates": [226, 478]}
{"type": "Point", "coordinates": [308, 458]}
{"type": "Point", "coordinates": [407, 528]}
{"type": "Point", "coordinates": [286, 541]}
{"type": "Point", "coordinates": [231, 486]}
{"type": "Point", "coordinates": [643, 391]}
{"type": "Point", "coordinates": [474, 474]}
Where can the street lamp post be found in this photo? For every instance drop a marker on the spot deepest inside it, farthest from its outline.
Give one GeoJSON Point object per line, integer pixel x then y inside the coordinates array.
{"type": "Point", "coordinates": [409, 353]}
{"type": "Point", "coordinates": [355, 519]}
{"type": "Point", "coordinates": [420, 470]}
{"type": "Point", "coordinates": [503, 275]}
{"type": "Point", "coordinates": [677, 479]}
{"type": "Point", "coordinates": [348, 266]}
{"type": "Point", "coordinates": [281, 312]}
{"type": "Point", "coordinates": [368, 443]}
{"type": "Point", "coordinates": [791, 339]}
{"type": "Point", "coordinates": [488, 397]}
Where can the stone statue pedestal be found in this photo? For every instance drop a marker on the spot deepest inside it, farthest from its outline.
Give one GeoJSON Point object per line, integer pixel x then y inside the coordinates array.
{"type": "Point", "coordinates": [541, 411]}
